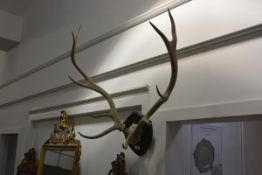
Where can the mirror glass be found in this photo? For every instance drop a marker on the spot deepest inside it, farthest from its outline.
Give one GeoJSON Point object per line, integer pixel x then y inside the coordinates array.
{"type": "Point", "coordinates": [58, 162]}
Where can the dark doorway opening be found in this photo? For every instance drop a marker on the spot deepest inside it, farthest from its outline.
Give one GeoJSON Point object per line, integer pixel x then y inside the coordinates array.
{"type": "Point", "coordinates": [8, 146]}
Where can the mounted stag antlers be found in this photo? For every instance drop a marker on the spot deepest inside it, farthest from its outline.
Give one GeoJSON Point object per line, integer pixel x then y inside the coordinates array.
{"type": "Point", "coordinates": [137, 128]}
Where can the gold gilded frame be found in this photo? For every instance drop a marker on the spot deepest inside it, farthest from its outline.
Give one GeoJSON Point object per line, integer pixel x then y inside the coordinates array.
{"type": "Point", "coordinates": [62, 139]}
{"type": "Point", "coordinates": [74, 148]}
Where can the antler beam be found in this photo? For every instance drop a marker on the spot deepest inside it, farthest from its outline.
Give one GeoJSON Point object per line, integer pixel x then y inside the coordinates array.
{"type": "Point", "coordinates": [171, 48]}
{"type": "Point", "coordinates": [90, 84]}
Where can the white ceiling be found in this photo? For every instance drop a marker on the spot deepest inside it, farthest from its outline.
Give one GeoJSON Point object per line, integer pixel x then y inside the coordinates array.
{"type": "Point", "coordinates": [17, 7]}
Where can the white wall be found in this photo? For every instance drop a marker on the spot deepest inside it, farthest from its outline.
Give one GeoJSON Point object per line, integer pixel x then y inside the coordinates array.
{"type": "Point", "coordinates": [220, 76]}
{"type": "Point", "coordinates": [192, 27]}
{"type": "Point", "coordinates": [2, 56]}
{"type": "Point", "coordinates": [48, 26]}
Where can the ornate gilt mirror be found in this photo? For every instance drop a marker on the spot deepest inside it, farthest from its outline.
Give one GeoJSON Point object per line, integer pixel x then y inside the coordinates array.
{"type": "Point", "coordinates": [60, 154]}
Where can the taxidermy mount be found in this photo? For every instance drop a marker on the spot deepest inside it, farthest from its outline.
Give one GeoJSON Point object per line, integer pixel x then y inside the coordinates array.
{"type": "Point", "coordinates": [137, 128]}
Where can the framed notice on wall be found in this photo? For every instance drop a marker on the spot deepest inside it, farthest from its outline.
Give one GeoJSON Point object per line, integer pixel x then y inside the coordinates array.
{"type": "Point", "coordinates": [206, 149]}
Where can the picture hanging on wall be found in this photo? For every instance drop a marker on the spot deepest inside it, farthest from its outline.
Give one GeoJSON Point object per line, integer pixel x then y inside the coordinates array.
{"type": "Point", "coordinates": [206, 149]}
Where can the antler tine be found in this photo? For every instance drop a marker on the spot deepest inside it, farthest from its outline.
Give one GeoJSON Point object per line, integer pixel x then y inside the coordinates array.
{"type": "Point", "coordinates": [171, 48]}
{"type": "Point", "coordinates": [90, 84]}
{"type": "Point", "coordinates": [107, 131]}
{"type": "Point", "coordinates": [75, 38]}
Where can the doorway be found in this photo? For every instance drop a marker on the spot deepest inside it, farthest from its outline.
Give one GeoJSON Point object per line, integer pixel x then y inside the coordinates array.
{"type": "Point", "coordinates": [8, 145]}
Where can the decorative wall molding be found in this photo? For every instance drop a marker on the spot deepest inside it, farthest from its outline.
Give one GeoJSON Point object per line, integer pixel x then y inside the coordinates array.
{"type": "Point", "coordinates": [129, 92]}
{"type": "Point", "coordinates": [129, 100]}
{"type": "Point", "coordinates": [215, 43]}
{"type": "Point", "coordinates": [14, 130]}
{"type": "Point", "coordinates": [246, 110]}
{"type": "Point", "coordinates": [129, 24]}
